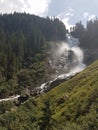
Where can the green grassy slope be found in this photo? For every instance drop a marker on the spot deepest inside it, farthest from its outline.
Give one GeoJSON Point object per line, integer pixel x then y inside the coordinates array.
{"type": "Point", "coordinates": [73, 105]}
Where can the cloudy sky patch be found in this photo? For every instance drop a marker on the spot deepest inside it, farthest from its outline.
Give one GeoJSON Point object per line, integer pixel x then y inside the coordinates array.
{"type": "Point", "coordinates": [66, 16]}
{"type": "Point", "coordinates": [89, 17]}
{"type": "Point", "coordinates": [38, 7]}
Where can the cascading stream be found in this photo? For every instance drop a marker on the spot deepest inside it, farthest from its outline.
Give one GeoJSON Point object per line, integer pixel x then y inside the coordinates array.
{"type": "Point", "coordinates": [66, 60]}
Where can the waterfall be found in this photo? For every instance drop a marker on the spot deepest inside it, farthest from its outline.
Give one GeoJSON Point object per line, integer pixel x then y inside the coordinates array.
{"type": "Point", "coordinates": [66, 59]}
{"type": "Point", "coordinates": [79, 55]}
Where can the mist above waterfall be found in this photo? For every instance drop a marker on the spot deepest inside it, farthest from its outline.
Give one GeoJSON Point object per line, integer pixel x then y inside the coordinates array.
{"type": "Point", "coordinates": [67, 57]}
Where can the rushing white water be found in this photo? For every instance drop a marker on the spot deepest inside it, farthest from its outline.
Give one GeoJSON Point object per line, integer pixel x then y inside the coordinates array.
{"type": "Point", "coordinates": [74, 46]}
{"type": "Point", "coordinates": [67, 60]}
{"type": "Point", "coordinates": [10, 98]}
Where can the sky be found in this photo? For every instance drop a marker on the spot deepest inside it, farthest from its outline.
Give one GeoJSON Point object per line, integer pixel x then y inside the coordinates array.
{"type": "Point", "coordinates": [69, 11]}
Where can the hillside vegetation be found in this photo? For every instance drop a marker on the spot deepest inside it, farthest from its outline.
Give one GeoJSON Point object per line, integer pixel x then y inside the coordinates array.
{"type": "Point", "coordinates": [73, 105]}
{"type": "Point", "coordinates": [24, 40]}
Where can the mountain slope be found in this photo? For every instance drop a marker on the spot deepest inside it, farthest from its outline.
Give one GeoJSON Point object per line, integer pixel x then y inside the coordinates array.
{"type": "Point", "coordinates": [73, 105]}
{"type": "Point", "coordinates": [25, 38]}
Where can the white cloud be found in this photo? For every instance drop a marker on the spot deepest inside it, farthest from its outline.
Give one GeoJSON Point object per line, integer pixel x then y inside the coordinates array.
{"type": "Point", "coordinates": [66, 16]}
{"type": "Point", "coordinates": [86, 15]}
{"type": "Point", "coordinates": [70, 9]}
{"type": "Point", "coordinates": [1, 1]}
{"type": "Point", "coordinates": [89, 16]}
{"type": "Point", "coordinates": [69, 14]}
{"type": "Point", "coordinates": [38, 7]}
{"type": "Point", "coordinates": [92, 17]}
{"type": "Point", "coordinates": [66, 22]}
{"type": "Point", "coordinates": [66, 13]}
